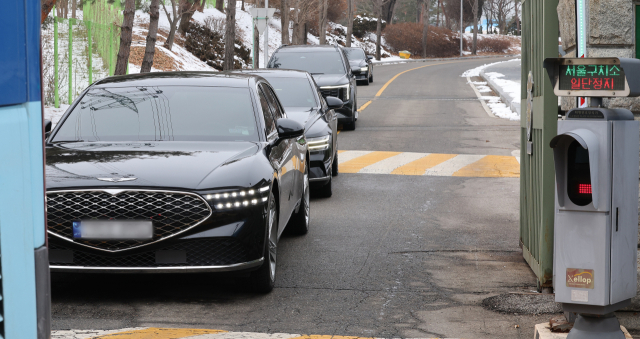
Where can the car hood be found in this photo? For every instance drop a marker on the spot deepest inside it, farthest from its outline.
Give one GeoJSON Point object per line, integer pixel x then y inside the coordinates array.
{"type": "Point", "coordinates": [330, 79]}
{"type": "Point", "coordinates": [188, 165]}
{"type": "Point", "coordinates": [357, 64]}
{"type": "Point", "coordinates": [304, 115]}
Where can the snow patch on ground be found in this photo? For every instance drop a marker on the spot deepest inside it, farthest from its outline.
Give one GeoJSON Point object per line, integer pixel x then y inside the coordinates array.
{"type": "Point", "coordinates": [512, 88]}
{"type": "Point", "coordinates": [499, 109]}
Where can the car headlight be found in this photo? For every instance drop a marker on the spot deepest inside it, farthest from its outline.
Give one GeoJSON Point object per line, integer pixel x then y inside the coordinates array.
{"type": "Point", "coordinates": [238, 198]}
{"type": "Point", "coordinates": [318, 144]}
{"type": "Point", "coordinates": [364, 69]}
{"type": "Point", "coordinates": [345, 89]}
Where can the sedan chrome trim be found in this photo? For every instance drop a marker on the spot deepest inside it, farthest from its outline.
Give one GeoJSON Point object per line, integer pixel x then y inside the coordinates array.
{"type": "Point", "coordinates": [118, 191]}
{"type": "Point", "coordinates": [321, 178]}
{"type": "Point", "coordinates": [176, 269]}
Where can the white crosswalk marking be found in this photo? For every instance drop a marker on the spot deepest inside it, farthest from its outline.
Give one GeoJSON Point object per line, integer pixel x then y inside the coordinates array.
{"type": "Point", "coordinates": [349, 155]}
{"type": "Point", "coordinates": [387, 166]}
{"type": "Point", "coordinates": [453, 165]}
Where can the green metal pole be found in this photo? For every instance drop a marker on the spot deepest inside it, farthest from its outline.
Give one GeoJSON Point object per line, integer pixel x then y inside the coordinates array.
{"type": "Point", "coordinates": [111, 66]}
{"type": "Point", "coordinates": [70, 61]}
{"type": "Point", "coordinates": [90, 52]}
{"type": "Point", "coordinates": [55, 60]}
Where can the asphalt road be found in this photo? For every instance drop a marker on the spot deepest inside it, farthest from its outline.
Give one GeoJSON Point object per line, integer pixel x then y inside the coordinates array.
{"type": "Point", "coordinates": [387, 255]}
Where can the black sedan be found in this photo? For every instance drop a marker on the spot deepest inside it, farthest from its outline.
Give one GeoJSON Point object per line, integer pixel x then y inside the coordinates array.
{"type": "Point", "coordinates": [304, 103]}
{"type": "Point", "coordinates": [175, 172]}
{"type": "Point", "coordinates": [361, 64]}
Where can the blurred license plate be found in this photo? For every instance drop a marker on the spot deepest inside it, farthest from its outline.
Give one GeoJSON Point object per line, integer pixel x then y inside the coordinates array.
{"type": "Point", "coordinates": [113, 230]}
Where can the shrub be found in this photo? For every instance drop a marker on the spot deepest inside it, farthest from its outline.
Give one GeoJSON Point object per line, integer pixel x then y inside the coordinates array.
{"type": "Point", "coordinates": [364, 23]}
{"type": "Point", "coordinates": [493, 44]}
{"type": "Point", "coordinates": [208, 46]}
{"type": "Point", "coordinates": [408, 36]}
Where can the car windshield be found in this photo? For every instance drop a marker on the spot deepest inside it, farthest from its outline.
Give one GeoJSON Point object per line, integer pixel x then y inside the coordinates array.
{"type": "Point", "coordinates": [294, 92]}
{"type": "Point", "coordinates": [161, 113]}
{"type": "Point", "coordinates": [355, 53]}
{"type": "Point", "coordinates": [312, 62]}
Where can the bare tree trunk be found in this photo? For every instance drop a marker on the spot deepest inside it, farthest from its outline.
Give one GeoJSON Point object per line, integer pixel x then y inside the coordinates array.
{"type": "Point", "coordinates": [45, 9]}
{"type": "Point", "coordinates": [125, 38]}
{"type": "Point", "coordinates": [187, 8]}
{"type": "Point", "coordinates": [418, 11]}
{"type": "Point", "coordinates": [425, 28]}
{"type": "Point", "coordinates": [149, 51]}
{"type": "Point", "coordinates": [349, 22]}
{"type": "Point", "coordinates": [379, 30]}
{"type": "Point", "coordinates": [284, 22]}
{"type": "Point", "coordinates": [296, 23]}
{"type": "Point", "coordinates": [168, 44]}
{"type": "Point", "coordinates": [220, 5]}
{"type": "Point", "coordinates": [517, 18]}
{"type": "Point", "coordinates": [74, 4]}
{"type": "Point", "coordinates": [322, 22]}
{"type": "Point", "coordinates": [304, 28]}
{"type": "Point", "coordinates": [242, 7]}
{"type": "Point", "coordinates": [474, 49]}
{"type": "Point", "coordinates": [438, 14]}
{"type": "Point", "coordinates": [230, 36]}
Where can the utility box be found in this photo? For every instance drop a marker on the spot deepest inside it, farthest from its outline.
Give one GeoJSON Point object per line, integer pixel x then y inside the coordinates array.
{"type": "Point", "coordinates": [596, 205]}
{"type": "Point", "coordinates": [596, 215]}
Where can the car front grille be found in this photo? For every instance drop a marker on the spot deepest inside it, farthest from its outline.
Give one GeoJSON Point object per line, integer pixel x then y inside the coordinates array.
{"type": "Point", "coordinates": [171, 213]}
{"type": "Point", "coordinates": [340, 93]}
{"type": "Point", "coordinates": [199, 252]}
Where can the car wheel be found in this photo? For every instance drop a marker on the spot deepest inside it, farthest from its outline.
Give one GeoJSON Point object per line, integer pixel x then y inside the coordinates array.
{"type": "Point", "coordinates": [299, 223]}
{"type": "Point", "coordinates": [366, 82]}
{"type": "Point", "coordinates": [264, 279]}
{"type": "Point", "coordinates": [370, 77]}
{"type": "Point", "coordinates": [350, 126]}
{"type": "Point", "coordinates": [325, 190]}
{"type": "Point", "coordinates": [334, 166]}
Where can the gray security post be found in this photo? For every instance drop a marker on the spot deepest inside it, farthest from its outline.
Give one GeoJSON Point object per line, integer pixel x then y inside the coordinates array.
{"type": "Point", "coordinates": [596, 205]}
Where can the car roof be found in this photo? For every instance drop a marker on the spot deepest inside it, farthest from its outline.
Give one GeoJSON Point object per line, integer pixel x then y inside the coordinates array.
{"type": "Point", "coordinates": [214, 79]}
{"type": "Point", "coordinates": [275, 73]}
{"type": "Point", "coordinates": [307, 48]}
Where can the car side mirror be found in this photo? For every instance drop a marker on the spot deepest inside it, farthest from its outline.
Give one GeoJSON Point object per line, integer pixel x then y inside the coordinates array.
{"type": "Point", "coordinates": [47, 128]}
{"type": "Point", "coordinates": [288, 128]}
{"type": "Point", "coordinates": [369, 57]}
{"type": "Point", "coordinates": [334, 103]}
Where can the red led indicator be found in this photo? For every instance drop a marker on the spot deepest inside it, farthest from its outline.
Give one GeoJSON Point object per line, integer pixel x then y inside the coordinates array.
{"type": "Point", "coordinates": [584, 188]}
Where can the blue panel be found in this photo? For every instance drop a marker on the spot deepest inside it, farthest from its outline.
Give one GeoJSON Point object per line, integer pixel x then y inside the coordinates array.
{"type": "Point", "coordinates": [32, 27]}
{"type": "Point", "coordinates": [20, 210]}
{"type": "Point", "coordinates": [13, 65]}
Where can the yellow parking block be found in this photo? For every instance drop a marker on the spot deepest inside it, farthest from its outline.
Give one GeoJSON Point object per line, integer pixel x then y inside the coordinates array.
{"type": "Point", "coordinates": [491, 166]}
{"type": "Point", "coordinates": [420, 166]}
{"type": "Point", "coordinates": [355, 165]}
{"type": "Point", "coordinates": [159, 333]}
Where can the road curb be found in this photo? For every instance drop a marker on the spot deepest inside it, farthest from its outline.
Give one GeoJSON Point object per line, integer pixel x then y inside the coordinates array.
{"type": "Point", "coordinates": [506, 98]}
{"type": "Point", "coordinates": [375, 62]}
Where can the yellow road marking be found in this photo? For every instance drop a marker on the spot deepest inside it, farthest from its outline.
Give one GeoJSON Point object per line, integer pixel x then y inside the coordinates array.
{"type": "Point", "coordinates": [491, 166]}
{"type": "Point", "coordinates": [364, 106]}
{"type": "Point", "coordinates": [355, 165]}
{"type": "Point", "coordinates": [420, 166]}
{"type": "Point", "coordinates": [403, 72]}
{"type": "Point", "coordinates": [159, 333]}
{"type": "Point", "coordinates": [341, 151]}
{"type": "Point", "coordinates": [338, 132]}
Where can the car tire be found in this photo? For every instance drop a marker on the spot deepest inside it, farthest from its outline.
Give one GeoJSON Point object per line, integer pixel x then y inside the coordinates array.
{"type": "Point", "coordinates": [350, 126]}
{"type": "Point", "coordinates": [325, 190]}
{"type": "Point", "coordinates": [264, 279]}
{"type": "Point", "coordinates": [370, 77]}
{"type": "Point", "coordinates": [299, 223]}
{"type": "Point", "coordinates": [366, 82]}
{"type": "Point", "coordinates": [334, 166]}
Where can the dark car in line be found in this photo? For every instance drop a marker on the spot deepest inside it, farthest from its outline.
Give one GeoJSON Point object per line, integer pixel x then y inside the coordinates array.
{"type": "Point", "coordinates": [361, 64]}
{"type": "Point", "coordinates": [304, 103]}
{"type": "Point", "coordinates": [175, 172]}
{"type": "Point", "coordinates": [330, 69]}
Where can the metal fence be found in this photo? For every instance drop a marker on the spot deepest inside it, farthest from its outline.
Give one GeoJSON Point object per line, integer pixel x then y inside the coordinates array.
{"type": "Point", "coordinates": [78, 52]}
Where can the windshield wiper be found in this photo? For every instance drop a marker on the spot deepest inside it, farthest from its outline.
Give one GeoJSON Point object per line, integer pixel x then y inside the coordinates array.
{"type": "Point", "coordinates": [316, 73]}
{"type": "Point", "coordinates": [65, 141]}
